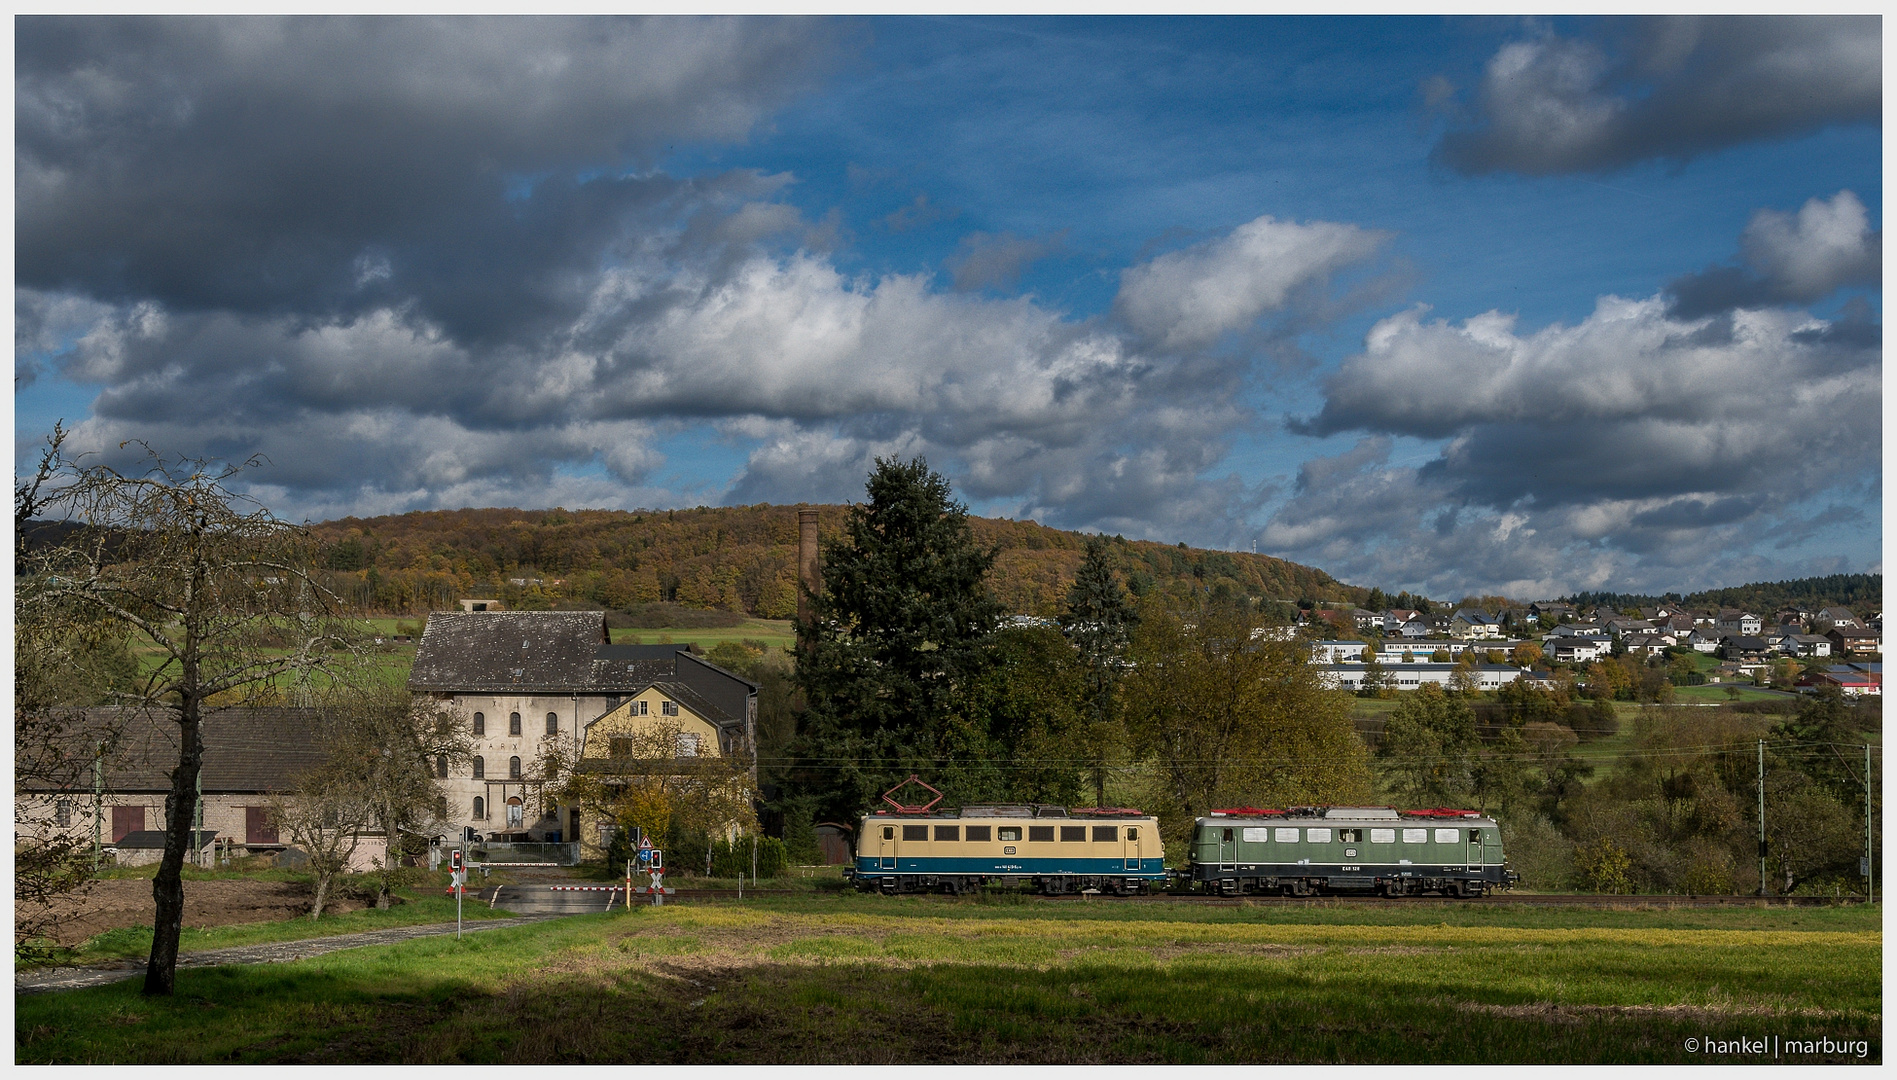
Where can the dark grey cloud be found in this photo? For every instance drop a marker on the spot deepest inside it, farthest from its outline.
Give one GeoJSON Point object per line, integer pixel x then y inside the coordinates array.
{"type": "Point", "coordinates": [1369, 520]}
{"type": "Point", "coordinates": [920, 213]}
{"type": "Point", "coordinates": [986, 260]}
{"type": "Point", "coordinates": [1618, 453]}
{"type": "Point", "coordinates": [1789, 259]}
{"type": "Point", "coordinates": [1668, 88]}
{"type": "Point", "coordinates": [477, 170]}
{"type": "Point", "coordinates": [424, 263]}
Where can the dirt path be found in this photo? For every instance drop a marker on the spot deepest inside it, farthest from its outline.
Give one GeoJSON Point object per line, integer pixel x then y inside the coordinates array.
{"type": "Point", "coordinates": [108, 905]}
{"type": "Point", "coordinates": [72, 978]}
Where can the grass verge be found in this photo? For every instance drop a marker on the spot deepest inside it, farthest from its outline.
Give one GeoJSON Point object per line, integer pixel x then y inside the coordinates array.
{"type": "Point", "coordinates": [420, 907]}
{"type": "Point", "coordinates": [866, 980]}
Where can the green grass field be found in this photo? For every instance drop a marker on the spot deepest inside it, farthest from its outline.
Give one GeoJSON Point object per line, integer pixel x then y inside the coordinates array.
{"type": "Point", "coordinates": [1717, 694]}
{"type": "Point", "coordinates": [1002, 979]}
{"type": "Point", "coordinates": [424, 901]}
{"type": "Point", "coordinates": [774, 632]}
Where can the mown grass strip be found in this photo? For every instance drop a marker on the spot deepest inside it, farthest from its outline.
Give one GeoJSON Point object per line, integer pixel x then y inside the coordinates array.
{"type": "Point", "coordinates": [753, 984]}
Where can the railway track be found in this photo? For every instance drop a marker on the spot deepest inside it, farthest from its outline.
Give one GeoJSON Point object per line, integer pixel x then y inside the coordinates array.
{"type": "Point", "coordinates": [1654, 900]}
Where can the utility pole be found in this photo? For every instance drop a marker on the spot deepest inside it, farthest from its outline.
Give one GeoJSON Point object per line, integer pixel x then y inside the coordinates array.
{"type": "Point", "coordinates": [98, 803]}
{"type": "Point", "coordinates": [197, 827]}
{"type": "Point", "coordinates": [1870, 887]}
{"type": "Point", "coordinates": [1761, 817]}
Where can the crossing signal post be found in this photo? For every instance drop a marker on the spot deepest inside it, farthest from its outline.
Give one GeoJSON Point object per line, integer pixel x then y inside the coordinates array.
{"type": "Point", "coordinates": [458, 869]}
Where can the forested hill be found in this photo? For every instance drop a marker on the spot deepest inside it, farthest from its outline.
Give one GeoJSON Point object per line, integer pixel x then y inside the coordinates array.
{"type": "Point", "coordinates": [1854, 591]}
{"type": "Point", "coordinates": [739, 558]}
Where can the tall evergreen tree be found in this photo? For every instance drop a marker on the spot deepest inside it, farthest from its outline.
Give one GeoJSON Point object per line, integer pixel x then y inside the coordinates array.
{"type": "Point", "coordinates": [900, 630]}
{"type": "Point", "coordinates": [1099, 622]}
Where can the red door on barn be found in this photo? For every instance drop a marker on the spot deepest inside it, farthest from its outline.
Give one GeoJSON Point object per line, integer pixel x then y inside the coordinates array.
{"type": "Point", "coordinates": [259, 826]}
{"type": "Point", "coordinates": [127, 819]}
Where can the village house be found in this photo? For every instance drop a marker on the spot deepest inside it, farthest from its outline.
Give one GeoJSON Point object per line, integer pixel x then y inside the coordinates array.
{"type": "Point", "coordinates": [1470, 623]}
{"type": "Point", "coordinates": [531, 685]}
{"type": "Point", "coordinates": [1830, 617]}
{"type": "Point", "coordinates": [1575, 650]}
{"type": "Point", "coordinates": [1735, 623]}
{"type": "Point", "coordinates": [251, 756]}
{"type": "Point", "coordinates": [1856, 641]}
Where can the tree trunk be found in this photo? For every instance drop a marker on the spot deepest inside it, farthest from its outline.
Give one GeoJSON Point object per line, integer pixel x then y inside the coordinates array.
{"type": "Point", "coordinates": [322, 894]}
{"type": "Point", "coordinates": [167, 887]}
{"type": "Point", "coordinates": [391, 851]}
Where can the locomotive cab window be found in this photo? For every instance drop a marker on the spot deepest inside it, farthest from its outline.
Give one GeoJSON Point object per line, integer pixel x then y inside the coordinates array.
{"type": "Point", "coordinates": [1132, 832]}
{"type": "Point", "coordinates": [948, 832]}
{"type": "Point", "coordinates": [915, 832]}
{"type": "Point", "coordinates": [889, 832]}
{"type": "Point", "coordinates": [1040, 834]}
{"type": "Point", "coordinates": [1008, 833]}
{"type": "Point", "coordinates": [1225, 837]}
{"type": "Point", "coordinates": [978, 834]}
{"type": "Point", "coordinates": [1105, 834]}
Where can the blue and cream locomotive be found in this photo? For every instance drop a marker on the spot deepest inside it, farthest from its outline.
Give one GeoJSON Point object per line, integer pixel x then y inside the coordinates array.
{"type": "Point", "coordinates": [1056, 849]}
{"type": "Point", "coordinates": [1347, 849]}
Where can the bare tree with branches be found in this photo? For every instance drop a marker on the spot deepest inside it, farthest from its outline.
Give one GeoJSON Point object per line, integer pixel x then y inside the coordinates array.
{"type": "Point", "coordinates": [204, 578]}
{"type": "Point", "coordinates": [396, 748]}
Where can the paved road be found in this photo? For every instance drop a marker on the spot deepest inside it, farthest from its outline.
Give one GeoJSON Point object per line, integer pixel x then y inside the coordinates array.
{"type": "Point", "coordinates": [41, 980]}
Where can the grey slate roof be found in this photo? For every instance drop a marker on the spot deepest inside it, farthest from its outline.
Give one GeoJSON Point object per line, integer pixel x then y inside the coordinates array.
{"type": "Point", "coordinates": [508, 651]}
{"type": "Point", "coordinates": [246, 751]}
{"type": "Point", "coordinates": [566, 652]}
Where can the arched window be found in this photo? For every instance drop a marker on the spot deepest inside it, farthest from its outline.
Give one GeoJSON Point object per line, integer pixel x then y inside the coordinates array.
{"type": "Point", "coordinates": [480, 770]}
{"type": "Point", "coordinates": [441, 766]}
{"type": "Point", "coordinates": [513, 768]}
{"type": "Point", "coordinates": [480, 808]}
{"type": "Point", "coordinates": [480, 724]}
{"type": "Point", "coordinates": [513, 723]}
{"type": "Point", "coordinates": [553, 723]}
{"type": "Point", "coordinates": [441, 806]}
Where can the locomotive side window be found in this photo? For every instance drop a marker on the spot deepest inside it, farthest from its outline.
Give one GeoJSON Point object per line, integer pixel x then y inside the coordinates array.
{"type": "Point", "coordinates": [1285, 836]}
{"type": "Point", "coordinates": [1073, 834]}
{"type": "Point", "coordinates": [1255, 836]}
{"type": "Point", "coordinates": [915, 832]}
{"type": "Point", "coordinates": [1007, 833]}
{"type": "Point", "coordinates": [1350, 836]}
{"type": "Point", "coordinates": [1040, 834]}
{"type": "Point", "coordinates": [948, 832]}
{"type": "Point", "coordinates": [1448, 836]}
{"type": "Point", "coordinates": [978, 834]}
{"type": "Point", "coordinates": [1226, 836]}
{"type": "Point", "coordinates": [889, 832]}
{"type": "Point", "coordinates": [1105, 834]}
{"type": "Point", "coordinates": [1318, 836]}
{"type": "Point", "coordinates": [1416, 836]}
{"type": "Point", "coordinates": [1383, 836]}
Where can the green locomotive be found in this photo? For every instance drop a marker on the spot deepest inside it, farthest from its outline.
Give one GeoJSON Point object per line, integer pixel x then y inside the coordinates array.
{"type": "Point", "coordinates": [1306, 851]}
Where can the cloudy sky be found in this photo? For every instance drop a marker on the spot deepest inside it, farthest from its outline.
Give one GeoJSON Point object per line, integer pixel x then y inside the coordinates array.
{"type": "Point", "coordinates": [1446, 305]}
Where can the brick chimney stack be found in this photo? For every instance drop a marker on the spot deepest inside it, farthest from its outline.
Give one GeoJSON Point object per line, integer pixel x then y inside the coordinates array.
{"type": "Point", "coordinates": [807, 575]}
